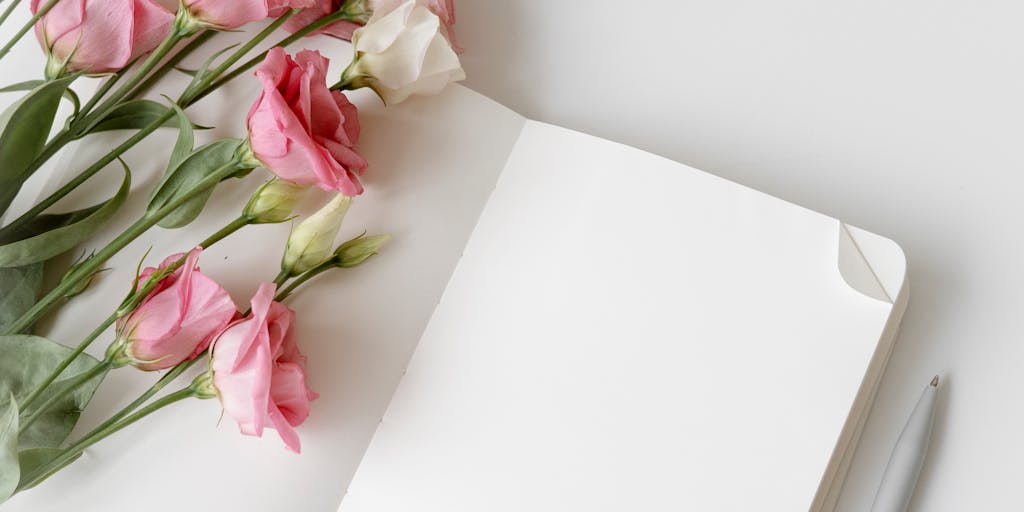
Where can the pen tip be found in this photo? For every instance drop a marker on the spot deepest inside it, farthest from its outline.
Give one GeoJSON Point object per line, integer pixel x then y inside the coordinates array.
{"type": "Point", "coordinates": [935, 381]}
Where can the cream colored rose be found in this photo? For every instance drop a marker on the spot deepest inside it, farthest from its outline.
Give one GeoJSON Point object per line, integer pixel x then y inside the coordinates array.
{"type": "Point", "coordinates": [403, 52]}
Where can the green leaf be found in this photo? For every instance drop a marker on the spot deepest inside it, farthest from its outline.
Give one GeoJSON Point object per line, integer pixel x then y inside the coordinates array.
{"type": "Point", "coordinates": [181, 179]}
{"type": "Point", "coordinates": [133, 115]}
{"type": "Point", "coordinates": [32, 84]}
{"type": "Point", "coordinates": [185, 143]}
{"type": "Point", "coordinates": [10, 473]}
{"type": "Point", "coordinates": [24, 127]}
{"type": "Point", "coordinates": [27, 361]}
{"type": "Point", "coordinates": [21, 287]}
{"type": "Point", "coordinates": [78, 227]}
{"type": "Point", "coordinates": [35, 458]}
{"type": "Point", "coordinates": [23, 86]}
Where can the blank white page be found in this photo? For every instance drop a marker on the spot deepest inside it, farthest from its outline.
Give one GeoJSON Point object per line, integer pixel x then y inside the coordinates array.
{"type": "Point", "coordinates": [626, 333]}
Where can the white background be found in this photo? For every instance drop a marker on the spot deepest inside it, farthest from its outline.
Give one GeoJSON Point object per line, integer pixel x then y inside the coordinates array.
{"type": "Point", "coordinates": [904, 118]}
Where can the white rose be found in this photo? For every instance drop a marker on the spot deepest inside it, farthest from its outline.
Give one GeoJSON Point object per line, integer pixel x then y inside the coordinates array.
{"type": "Point", "coordinates": [402, 52]}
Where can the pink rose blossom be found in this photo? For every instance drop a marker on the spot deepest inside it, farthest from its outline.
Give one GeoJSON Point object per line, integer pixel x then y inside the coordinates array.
{"type": "Point", "coordinates": [259, 373]}
{"type": "Point", "coordinates": [444, 9]}
{"type": "Point", "coordinates": [178, 319]}
{"type": "Point", "coordinates": [302, 131]}
{"type": "Point", "coordinates": [100, 36]}
{"type": "Point", "coordinates": [231, 14]}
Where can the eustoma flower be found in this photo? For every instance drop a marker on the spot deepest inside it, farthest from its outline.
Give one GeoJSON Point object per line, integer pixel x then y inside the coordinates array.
{"type": "Point", "coordinates": [176, 321]}
{"type": "Point", "coordinates": [99, 36]}
{"type": "Point", "coordinates": [301, 131]}
{"type": "Point", "coordinates": [259, 374]}
{"type": "Point", "coordinates": [444, 9]}
{"type": "Point", "coordinates": [310, 243]}
{"type": "Point", "coordinates": [402, 52]}
{"type": "Point", "coordinates": [231, 14]}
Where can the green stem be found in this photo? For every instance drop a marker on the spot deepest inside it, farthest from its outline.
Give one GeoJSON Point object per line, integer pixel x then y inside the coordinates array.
{"type": "Point", "coordinates": [31, 398]}
{"type": "Point", "coordinates": [299, 281]}
{"type": "Point", "coordinates": [171, 63]}
{"type": "Point", "coordinates": [168, 44]}
{"type": "Point", "coordinates": [226, 231]}
{"type": "Point", "coordinates": [85, 175]}
{"type": "Point", "coordinates": [98, 435]}
{"type": "Point", "coordinates": [70, 388]}
{"type": "Point", "coordinates": [101, 92]}
{"type": "Point", "coordinates": [235, 56]}
{"type": "Point", "coordinates": [24, 28]}
{"type": "Point", "coordinates": [339, 15]}
{"type": "Point", "coordinates": [140, 226]}
{"type": "Point", "coordinates": [152, 391]}
{"type": "Point", "coordinates": [8, 11]}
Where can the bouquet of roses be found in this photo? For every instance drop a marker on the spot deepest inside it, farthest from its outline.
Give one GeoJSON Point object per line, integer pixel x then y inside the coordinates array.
{"type": "Point", "coordinates": [302, 129]}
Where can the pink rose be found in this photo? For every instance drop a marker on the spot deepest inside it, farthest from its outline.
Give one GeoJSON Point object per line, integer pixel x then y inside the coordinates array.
{"type": "Point", "coordinates": [444, 9]}
{"type": "Point", "coordinates": [177, 320]}
{"type": "Point", "coordinates": [231, 14]}
{"type": "Point", "coordinates": [259, 373]}
{"type": "Point", "coordinates": [302, 131]}
{"type": "Point", "coordinates": [100, 36]}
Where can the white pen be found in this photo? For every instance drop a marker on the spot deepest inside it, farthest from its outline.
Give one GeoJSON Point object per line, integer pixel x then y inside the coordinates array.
{"type": "Point", "coordinates": [908, 455]}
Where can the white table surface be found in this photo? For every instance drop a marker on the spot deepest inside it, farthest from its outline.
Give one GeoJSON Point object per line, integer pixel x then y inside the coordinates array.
{"type": "Point", "coordinates": [904, 118]}
{"type": "Point", "coordinates": [901, 118]}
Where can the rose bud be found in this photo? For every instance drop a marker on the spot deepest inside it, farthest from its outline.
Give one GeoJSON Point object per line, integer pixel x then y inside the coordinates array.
{"type": "Point", "coordinates": [259, 374]}
{"type": "Point", "coordinates": [359, 11]}
{"type": "Point", "coordinates": [359, 249]}
{"type": "Point", "coordinates": [310, 243]}
{"type": "Point", "coordinates": [99, 36]}
{"type": "Point", "coordinates": [176, 321]}
{"type": "Point", "coordinates": [273, 202]}
{"type": "Point", "coordinates": [231, 14]}
{"type": "Point", "coordinates": [301, 131]}
{"type": "Point", "coordinates": [401, 53]}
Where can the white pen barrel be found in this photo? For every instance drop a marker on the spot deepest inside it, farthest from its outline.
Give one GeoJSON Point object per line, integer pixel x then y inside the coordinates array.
{"type": "Point", "coordinates": [907, 458]}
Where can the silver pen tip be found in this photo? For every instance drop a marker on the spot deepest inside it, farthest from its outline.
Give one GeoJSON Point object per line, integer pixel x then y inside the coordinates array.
{"type": "Point", "coordinates": [935, 381]}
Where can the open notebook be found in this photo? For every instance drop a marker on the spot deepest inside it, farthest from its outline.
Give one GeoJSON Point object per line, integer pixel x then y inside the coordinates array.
{"type": "Point", "coordinates": [580, 325]}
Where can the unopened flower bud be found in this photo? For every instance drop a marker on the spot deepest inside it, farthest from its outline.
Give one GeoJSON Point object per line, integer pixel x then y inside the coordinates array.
{"type": "Point", "coordinates": [311, 241]}
{"type": "Point", "coordinates": [273, 202]}
{"type": "Point", "coordinates": [358, 250]}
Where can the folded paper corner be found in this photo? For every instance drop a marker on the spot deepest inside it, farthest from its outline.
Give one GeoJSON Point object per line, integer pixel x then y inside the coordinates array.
{"type": "Point", "coordinates": [873, 265]}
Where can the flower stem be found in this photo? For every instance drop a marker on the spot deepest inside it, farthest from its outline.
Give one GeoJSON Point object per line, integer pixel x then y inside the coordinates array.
{"type": "Point", "coordinates": [82, 177]}
{"type": "Point", "coordinates": [168, 377]}
{"type": "Point", "coordinates": [97, 435]}
{"type": "Point", "coordinates": [101, 92]}
{"type": "Point", "coordinates": [166, 67]}
{"type": "Point", "coordinates": [85, 125]}
{"type": "Point", "coordinates": [235, 56]}
{"type": "Point", "coordinates": [67, 362]}
{"type": "Point", "coordinates": [81, 379]}
{"type": "Point", "coordinates": [140, 226]}
{"type": "Point", "coordinates": [339, 15]}
{"type": "Point", "coordinates": [299, 281]}
{"type": "Point", "coordinates": [26, 27]}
